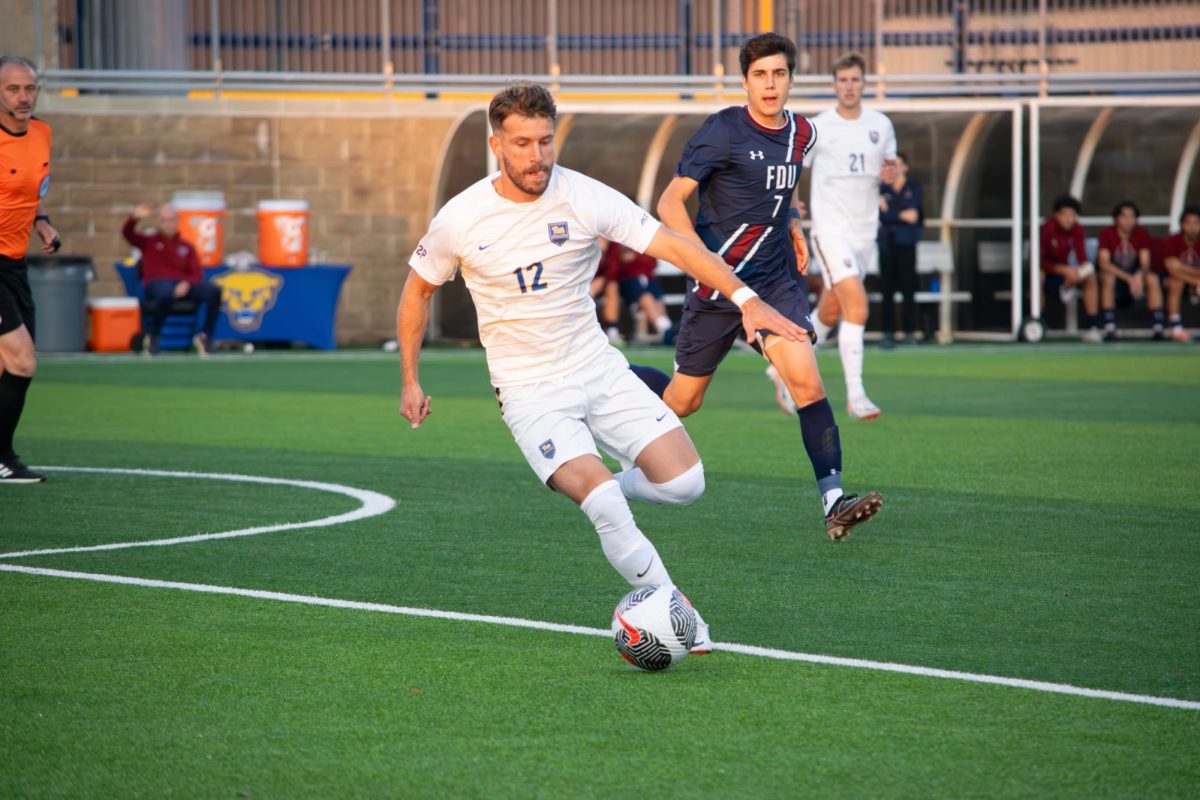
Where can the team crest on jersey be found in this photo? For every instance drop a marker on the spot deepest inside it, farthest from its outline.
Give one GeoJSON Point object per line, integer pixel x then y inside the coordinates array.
{"type": "Point", "coordinates": [547, 448]}
{"type": "Point", "coordinates": [874, 137]}
{"type": "Point", "coordinates": [559, 233]}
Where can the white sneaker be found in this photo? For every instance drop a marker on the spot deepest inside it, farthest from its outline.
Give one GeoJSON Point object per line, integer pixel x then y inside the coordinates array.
{"type": "Point", "coordinates": [702, 645]}
{"type": "Point", "coordinates": [862, 408]}
{"type": "Point", "coordinates": [782, 396]}
{"type": "Point", "coordinates": [1093, 336]}
{"type": "Point", "coordinates": [1068, 296]}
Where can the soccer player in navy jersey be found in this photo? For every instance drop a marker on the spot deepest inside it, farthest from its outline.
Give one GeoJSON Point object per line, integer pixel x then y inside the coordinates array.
{"type": "Point", "coordinates": [745, 161]}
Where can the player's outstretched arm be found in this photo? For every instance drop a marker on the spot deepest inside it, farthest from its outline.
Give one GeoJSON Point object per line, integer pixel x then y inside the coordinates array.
{"type": "Point", "coordinates": [411, 318]}
{"type": "Point", "coordinates": [704, 265]}
{"type": "Point", "coordinates": [672, 207]}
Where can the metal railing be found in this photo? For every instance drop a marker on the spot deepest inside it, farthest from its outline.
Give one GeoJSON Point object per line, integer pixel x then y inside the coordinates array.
{"type": "Point", "coordinates": [620, 38]}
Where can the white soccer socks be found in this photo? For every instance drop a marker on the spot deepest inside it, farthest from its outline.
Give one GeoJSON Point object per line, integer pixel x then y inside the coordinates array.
{"type": "Point", "coordinates": [684, 489]}
{"type": "Point", "coordinates": [625, 546]}
{"type": "Point", "coordinates": [850, 348]}
{"type": "Point", "coordinates": [820, 328]}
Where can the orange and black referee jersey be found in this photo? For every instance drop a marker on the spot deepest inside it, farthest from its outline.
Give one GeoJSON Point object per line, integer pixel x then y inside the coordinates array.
{"type": "Point", "coordinates": [24, 179]}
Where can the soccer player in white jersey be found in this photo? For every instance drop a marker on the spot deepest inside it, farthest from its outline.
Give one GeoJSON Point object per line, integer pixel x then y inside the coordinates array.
{"type": "Point", "coordinates": [855, 149]}
{"type": "Point", "coordinates": [526, 240]}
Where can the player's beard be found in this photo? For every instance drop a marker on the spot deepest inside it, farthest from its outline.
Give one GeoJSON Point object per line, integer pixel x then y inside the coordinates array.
{"type": "Point", "coordinates": [529, 184]}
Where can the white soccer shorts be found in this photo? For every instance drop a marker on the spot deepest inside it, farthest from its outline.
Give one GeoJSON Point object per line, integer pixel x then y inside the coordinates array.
{"type": "Point", "coordinates": [842, 258]}
{"type": "Point", "coordinates": [602, 403]}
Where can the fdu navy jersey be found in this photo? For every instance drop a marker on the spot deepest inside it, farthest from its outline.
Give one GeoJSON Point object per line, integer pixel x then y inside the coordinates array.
{"type": "Point", "coordinates": [747, 174]}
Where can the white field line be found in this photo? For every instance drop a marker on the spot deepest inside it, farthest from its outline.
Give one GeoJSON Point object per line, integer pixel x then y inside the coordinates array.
{"type": "Point", "coordinates": [374, 503]}
{"type": "Point", "coordinates": [764, 652]}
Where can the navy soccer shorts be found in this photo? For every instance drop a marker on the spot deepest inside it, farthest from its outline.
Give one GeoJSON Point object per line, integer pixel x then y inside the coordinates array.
{"type": "Point", "coordinates": [708, 329]}
{"type": "Point", "coordinates": [16, 297]}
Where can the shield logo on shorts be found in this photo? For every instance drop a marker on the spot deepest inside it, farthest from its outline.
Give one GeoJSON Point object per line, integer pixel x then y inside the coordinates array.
{"type": "Point", "coordinates": [547, 448]}
{"type": "Point", "coordinates": [874, 137]}
{"type": "Point", "coordinates": [559, 233]}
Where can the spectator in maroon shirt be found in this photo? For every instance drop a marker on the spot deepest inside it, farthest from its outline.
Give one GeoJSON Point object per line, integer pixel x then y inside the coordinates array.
{"type": "Point", "coordinates": [1181, 256]}
{"type": "Point", "coordinates": [1062, 239]}
{"type": "Point", "coordinates": [632, 274]}
{"type": "Point", "coordinates": [171, 271]}
{"type": "Point", "coordinates": [1123, 257]}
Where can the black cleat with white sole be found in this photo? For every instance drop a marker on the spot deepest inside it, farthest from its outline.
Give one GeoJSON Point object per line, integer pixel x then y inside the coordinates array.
{"type": "Point", "coordinates": [14, 472]}
{"type": "Point", "coordinates": [848, 511]}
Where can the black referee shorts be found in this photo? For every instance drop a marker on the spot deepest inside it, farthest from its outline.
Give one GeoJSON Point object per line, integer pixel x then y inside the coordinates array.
{"type": "Point", "coordinates": [16, 298]}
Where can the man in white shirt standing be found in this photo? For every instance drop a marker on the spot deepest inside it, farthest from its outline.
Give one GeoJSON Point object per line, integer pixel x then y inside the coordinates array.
{"type": "Point", "coordinates": [855, 149]}
{"type": "Point", "coordinates": [526, 239]}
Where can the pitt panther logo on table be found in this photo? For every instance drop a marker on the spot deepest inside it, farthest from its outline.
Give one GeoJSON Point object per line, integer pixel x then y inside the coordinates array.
{"type": "Point", "coordinates": [558, 232]}
{"type": "Point", "coordinates": [247, 296]}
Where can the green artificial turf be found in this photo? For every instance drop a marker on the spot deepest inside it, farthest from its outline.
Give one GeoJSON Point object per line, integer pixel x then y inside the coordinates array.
{"type": "Point", "coordinates": [1040, 523]}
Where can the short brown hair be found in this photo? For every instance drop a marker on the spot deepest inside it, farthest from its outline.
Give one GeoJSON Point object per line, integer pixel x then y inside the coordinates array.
{"type": "Point", "coordinates": [524, 98]}
{"type": "Point", "coordinates": [763, 45]}
{"type": "Point", "coordinates": [850, 60]}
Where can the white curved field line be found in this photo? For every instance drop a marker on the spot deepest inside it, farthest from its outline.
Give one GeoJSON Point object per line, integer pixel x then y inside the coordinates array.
{"type": "Point", "coordinates": [374, 504]}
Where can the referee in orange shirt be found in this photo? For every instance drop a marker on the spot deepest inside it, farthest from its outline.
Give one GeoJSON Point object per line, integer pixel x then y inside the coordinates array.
{"type": "Point", "coordinates": [24, 179]}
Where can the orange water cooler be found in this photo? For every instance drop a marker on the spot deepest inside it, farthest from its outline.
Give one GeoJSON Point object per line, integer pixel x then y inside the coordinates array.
{"type": "Point", "coordinates": [202, 222]}
{"type": "Point", "coordinates": [283, 233]}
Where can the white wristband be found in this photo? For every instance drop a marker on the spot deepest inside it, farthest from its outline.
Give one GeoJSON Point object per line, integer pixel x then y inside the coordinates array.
{"type": "Point", "coordinates": [740, 296]}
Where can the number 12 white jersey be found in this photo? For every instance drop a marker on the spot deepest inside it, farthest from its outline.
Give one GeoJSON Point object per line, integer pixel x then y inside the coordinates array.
{"type": "Point", "coordinates": [529, 267]}
{"type": "Point", "coordinates": [845, 166]}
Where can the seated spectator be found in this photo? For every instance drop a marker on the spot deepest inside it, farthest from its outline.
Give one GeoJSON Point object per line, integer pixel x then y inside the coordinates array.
{"type": "Point", "coordinates": [1181, 257]}
{"type": "Point", "coordinates": [171, 271]}
{"type": "Point", "coordinates": [609, 304]}
{"type": "Point", "coordinates": [1062, 240]}
{"type": "Point", "coordinates": [901, 219]}
{"type": "Point", "coordinates": [633, 274]}
{"type": "Point", "coordinates": [1123, 256]}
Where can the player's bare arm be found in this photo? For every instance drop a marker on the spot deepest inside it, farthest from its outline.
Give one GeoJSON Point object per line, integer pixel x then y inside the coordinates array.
{"type": "Point", "coordinates": [702, 264]}
{"type": "Point", "coordinates": [672, 208]}
{"type": "Point", "coordinates": [411, 318]}
{"type": "Point", "coordinates": [796, 232]}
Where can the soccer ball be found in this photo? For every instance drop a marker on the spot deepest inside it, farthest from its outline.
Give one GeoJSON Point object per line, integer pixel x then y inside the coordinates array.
{"type": "Point", "coordinates": [654, 627]}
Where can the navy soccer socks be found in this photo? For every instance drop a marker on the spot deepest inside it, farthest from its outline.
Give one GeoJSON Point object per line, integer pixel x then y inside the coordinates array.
{"type": "Point", "coordinates": [653, 377]}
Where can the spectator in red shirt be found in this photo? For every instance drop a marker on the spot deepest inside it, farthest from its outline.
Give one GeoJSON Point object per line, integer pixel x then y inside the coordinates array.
{"type": "Point", "coordinates": [1062, 239]}
{"type": "Point", "coordinates": [633, 274]}
{"type": "Point", "coordinates": [1123, 257]}
{"type": "Point", "coordinates": [171, 271]}
{"type": "Point", "coordinates": [1181, 256]}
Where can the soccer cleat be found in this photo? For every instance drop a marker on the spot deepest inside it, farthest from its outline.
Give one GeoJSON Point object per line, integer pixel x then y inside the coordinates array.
{"type": "Point", "coordinates": [848, 511]}
{"type": "Point", "coordinates": [200, 342]}
{"type": "Point", "coordinates": [1179, 334]}
{"type": "Point", "coordinates": [13, 471]}
{"type": "Point", "coordinates": [782, 396]}
{"type": "Point", "coordinates": [1093, 336]}
{"type": "Point", "coordinates": [702, 645]}
{"type": "Point", "coordinates": [862, 408]}
{"type": "Point", "coordinates": [1158, 336]}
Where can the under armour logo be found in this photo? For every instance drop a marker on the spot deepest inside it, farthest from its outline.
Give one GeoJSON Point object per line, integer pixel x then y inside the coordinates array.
{"type": "Point", "coordinates": [756, 155]}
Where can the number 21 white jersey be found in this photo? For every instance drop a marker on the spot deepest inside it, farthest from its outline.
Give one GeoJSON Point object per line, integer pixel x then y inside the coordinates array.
{"type": "Point", "coordinates": [845, 166]}
{"type": "Point", "coordinates": [529, 267]}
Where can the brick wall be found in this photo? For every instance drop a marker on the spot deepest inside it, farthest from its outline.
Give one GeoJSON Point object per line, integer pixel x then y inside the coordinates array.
{"type": "Point", "coordinates": [367, 171]}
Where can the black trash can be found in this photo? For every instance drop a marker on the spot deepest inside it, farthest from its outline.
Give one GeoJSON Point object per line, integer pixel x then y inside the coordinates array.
{"type": "Point", "coordinates": [59, 285]}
